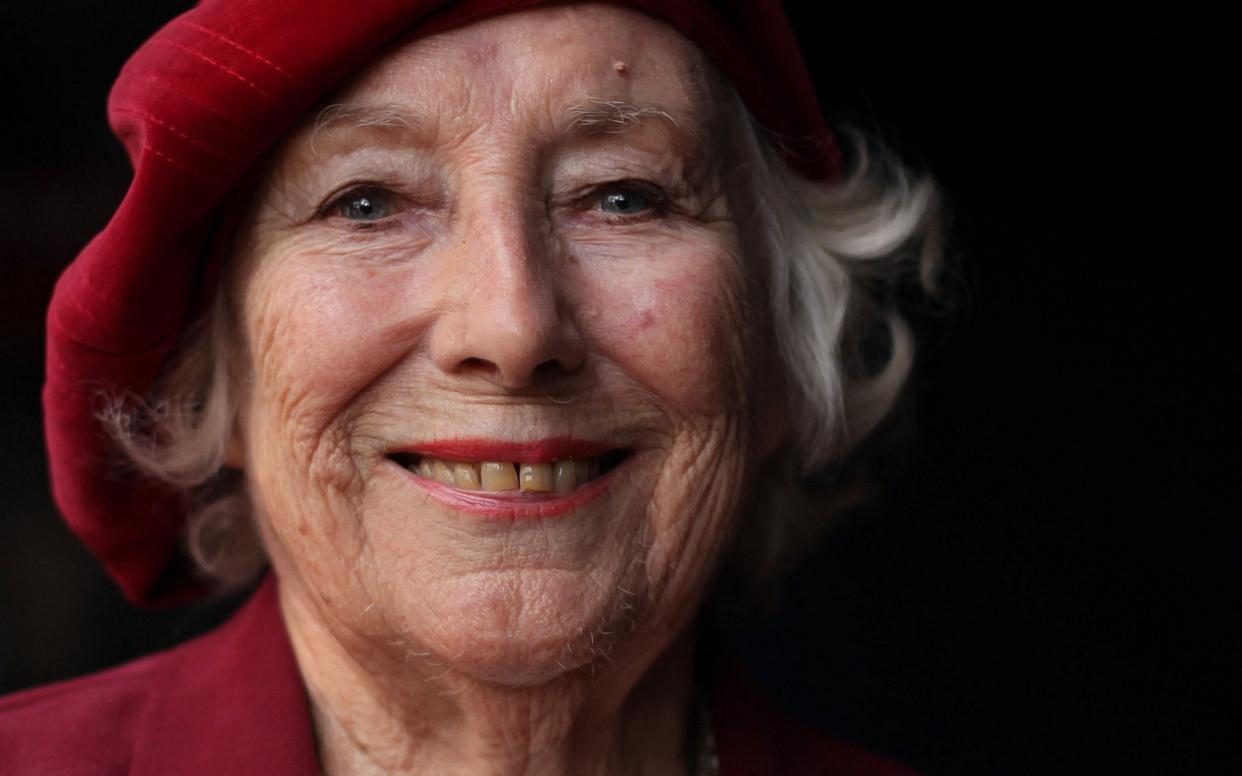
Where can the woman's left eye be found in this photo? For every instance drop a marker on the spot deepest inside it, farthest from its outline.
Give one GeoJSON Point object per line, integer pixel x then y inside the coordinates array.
{"type": "Point", "coordinates": [629, 199]}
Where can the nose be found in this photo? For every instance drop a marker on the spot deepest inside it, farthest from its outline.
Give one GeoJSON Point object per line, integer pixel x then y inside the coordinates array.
{"type": "Point", "coordinates": [509, 322]}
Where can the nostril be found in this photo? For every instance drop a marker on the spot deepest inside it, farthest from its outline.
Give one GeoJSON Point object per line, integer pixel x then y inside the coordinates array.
{"type": "Point", "coordinates": [549, 368]}
{"type": "Point", "coordinates": [482, 368]}
{"type": "Point", "coordinates": [545, 372]}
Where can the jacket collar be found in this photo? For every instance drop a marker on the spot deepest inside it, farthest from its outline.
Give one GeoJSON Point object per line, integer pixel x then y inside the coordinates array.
{"type": "Point", "coordinates": [232, 703]}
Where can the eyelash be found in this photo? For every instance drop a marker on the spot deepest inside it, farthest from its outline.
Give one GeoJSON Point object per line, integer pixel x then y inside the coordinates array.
{"type": "Point", "coordinates": [377, 191]}
{"type": "Point", "coordinates": [658, 201]}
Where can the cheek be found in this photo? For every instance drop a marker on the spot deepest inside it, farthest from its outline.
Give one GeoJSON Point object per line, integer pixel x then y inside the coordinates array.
{"type": "Point", "coordinates": [677, 326]}
{"type": "Point", "coordinates": [317, 337]}
{"type": "Point", "coordinates": [315, 340]}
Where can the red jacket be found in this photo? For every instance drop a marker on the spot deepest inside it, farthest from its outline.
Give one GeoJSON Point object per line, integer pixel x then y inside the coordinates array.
{"type": "Point", "coordinates": [231, 703]}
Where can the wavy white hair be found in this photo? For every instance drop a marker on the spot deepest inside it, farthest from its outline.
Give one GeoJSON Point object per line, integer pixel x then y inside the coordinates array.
{"type": "Point", "coordinates": [829, 257]}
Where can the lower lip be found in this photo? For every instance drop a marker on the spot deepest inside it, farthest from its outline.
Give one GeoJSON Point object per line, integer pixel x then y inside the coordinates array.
{"type": "Point", "coordinates": [514, 504]}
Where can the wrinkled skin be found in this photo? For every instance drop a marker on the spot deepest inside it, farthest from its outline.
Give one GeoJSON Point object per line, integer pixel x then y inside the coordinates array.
{"type": "Point", "coordinates": [486, 286]}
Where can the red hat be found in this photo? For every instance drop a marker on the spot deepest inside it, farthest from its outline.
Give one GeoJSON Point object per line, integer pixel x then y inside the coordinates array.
{"type": "Point", "coordinates": [196, 107]}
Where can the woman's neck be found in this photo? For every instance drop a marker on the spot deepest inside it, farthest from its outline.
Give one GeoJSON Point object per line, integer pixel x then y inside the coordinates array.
{"type": "Point", "coordinates": [377, 713]}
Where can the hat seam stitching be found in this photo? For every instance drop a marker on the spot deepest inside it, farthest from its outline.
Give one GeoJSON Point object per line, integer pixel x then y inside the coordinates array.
{"type": "Point", "coordinates": [243, 49]}
{"type": "Point", "coordinates": [178, 164]}
{"type": "Point", "coordinates": [250, 135]}
{"type": "Point", "coordinates": [212, 150]}
{"type": "Point", "coordinates": [222, 67]}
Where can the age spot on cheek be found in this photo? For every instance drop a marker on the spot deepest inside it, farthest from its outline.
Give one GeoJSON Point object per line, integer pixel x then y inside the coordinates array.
{"type": "Point", "coordinates": [640, 320]}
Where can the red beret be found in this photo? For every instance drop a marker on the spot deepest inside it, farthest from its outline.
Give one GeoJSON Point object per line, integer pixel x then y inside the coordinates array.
{"type": "Point", "coordinates": [196, 107]}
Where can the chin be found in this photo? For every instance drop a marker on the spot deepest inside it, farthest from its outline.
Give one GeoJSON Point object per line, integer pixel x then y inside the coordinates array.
{"type": "Point", "coordinates": [528, 628]}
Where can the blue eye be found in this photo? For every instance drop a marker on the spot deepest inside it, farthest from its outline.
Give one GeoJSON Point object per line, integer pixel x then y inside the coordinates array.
{"type": "Point", "coordinates": [369, 204]}
{"type": "Point", "coordinates": [628, 199]}
{"type": "Point", "coordinates": [624, 202]}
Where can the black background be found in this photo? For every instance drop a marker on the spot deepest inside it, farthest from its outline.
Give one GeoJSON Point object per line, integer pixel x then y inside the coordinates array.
{"type": "Point", "coordinates": [1052, 587]}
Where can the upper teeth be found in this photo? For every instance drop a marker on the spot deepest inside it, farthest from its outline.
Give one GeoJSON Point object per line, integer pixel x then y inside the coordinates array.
{"type": "Point", "coordinates": [556, 476]}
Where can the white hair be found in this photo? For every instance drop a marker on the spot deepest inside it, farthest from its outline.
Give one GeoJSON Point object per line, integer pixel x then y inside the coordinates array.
{"type": "Point", "coordinates": [830, 258]}
{"type": "Point", "coordinates": [181, 437]}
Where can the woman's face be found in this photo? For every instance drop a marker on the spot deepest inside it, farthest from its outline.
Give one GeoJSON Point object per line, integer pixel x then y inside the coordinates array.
{"type": "Point", "coordinates": [503, 245]}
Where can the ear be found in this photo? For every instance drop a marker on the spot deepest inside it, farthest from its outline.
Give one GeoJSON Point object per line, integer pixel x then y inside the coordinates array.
{"type": "Point", "coordinates": [238, 392]}
{"type": "Point", "coordinates": [235, 453]}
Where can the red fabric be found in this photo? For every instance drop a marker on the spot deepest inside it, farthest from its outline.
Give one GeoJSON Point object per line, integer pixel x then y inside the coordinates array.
{"type": "Point", "coordinates": [196, 106]}
{"type": "Point", "coordinates": [232, 702]}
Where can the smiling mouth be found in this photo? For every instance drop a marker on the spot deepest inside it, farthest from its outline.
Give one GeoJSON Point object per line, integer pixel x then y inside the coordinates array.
{"type": "Point", "coordinates": [555, 476]}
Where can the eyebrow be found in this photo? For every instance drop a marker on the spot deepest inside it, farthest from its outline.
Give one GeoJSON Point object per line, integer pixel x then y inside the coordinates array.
{"type": "Point", "coordinates": [378, 118]}
{"type": "Point", "coordinates": [591, 117]}
{"type": "Point", "coordinates": [594, 117]}
{"type": "Point", "coordinates": [361, 116]}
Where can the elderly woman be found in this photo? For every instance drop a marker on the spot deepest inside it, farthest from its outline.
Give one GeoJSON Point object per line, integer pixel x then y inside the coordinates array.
{"type": "Point", "coordinates": [515, 327]}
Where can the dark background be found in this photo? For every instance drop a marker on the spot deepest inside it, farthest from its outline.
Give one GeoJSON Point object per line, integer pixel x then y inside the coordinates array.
{"type": "Point", "coordinates": [1052, 587]}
